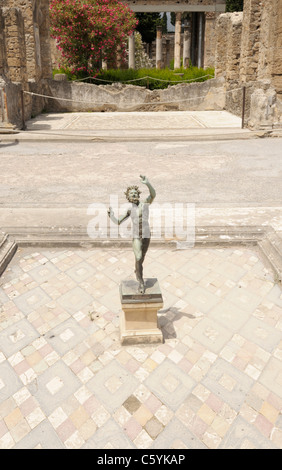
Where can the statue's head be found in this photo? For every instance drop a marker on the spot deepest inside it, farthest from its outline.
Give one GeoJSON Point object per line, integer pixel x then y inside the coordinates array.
{"type": "Point", "coordinates": [133, 194]}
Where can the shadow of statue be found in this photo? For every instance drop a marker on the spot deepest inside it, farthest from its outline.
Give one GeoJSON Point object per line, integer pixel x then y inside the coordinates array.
{"type": "Point", "coordinates": [9, 144]}
{"type": "Point", "coordinates": [166, 319]}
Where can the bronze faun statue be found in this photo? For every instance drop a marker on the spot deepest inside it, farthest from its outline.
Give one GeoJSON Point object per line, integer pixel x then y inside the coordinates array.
{"type": "Point", "coordinates": [139, 213]}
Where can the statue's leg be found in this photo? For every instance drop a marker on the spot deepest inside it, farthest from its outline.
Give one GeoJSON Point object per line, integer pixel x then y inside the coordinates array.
{"type": "Point", "coordinates": [137, 248]}
{"type": "Point", "coordinates": [145, 246]}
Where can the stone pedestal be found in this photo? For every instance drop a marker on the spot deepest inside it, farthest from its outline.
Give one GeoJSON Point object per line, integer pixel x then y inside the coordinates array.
{"type": "Point", "coordinates": [138, 319]}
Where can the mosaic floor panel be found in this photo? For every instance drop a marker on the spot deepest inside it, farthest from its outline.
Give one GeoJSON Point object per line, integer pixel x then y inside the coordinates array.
{"type": "Point", "coordinates": [66, 381]}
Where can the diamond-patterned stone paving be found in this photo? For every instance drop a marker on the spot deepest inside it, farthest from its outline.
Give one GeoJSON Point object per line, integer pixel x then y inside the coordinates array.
{"type": "Point", "coordinates": [66, 381]}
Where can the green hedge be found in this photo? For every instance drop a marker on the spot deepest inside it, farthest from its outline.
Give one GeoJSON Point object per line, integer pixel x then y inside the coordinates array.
{"type": "Point", "coordinates": [150, 78]}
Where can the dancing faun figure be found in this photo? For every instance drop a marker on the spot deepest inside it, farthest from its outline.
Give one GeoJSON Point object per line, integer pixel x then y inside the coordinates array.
{"type": "Point", "coordinates": [139, 213]}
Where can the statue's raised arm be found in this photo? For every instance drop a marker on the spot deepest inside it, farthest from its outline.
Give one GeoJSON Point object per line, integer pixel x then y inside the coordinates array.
{"type": "Point", "coordinates": [152, 191]}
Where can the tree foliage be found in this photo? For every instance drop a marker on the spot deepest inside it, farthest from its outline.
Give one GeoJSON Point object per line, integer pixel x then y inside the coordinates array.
{"type": "Point", "coordinates": [164, 23]}
{"type": "Point", "coordinates": [89, 31]}
{"type": "Point", "coordinates": [234, 5]}
{"type": "Point", "coordinates": [147, 25]}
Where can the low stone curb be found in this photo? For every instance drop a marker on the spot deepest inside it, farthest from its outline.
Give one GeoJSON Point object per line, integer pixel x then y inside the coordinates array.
{"type": "Point", "coordinates": [8, 248]}
{"type": "Point", "coordinates": [264, 239]}
{"type": "Point", "coordinates": [61, 137]}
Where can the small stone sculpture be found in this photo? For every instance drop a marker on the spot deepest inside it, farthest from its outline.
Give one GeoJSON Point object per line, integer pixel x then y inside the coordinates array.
{"type": "Point", "coordinates": [139, 213]}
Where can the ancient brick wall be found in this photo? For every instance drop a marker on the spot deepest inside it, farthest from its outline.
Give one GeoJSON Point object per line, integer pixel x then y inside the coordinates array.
{"type": "Point", "coordinates": [14, 44]}
{"type": "Point", "coordinates": [249, 53]}
{"type": "Point", "coordinates": [276, 38]}
{"type": "Point", "coordinates": [36, 25]}
{"type": "Point", "coordinates": [25, 58]}
{"type": "Point", "coordinates": [251, 30]}
{"type": "Point", "coordinates": [270, 53]}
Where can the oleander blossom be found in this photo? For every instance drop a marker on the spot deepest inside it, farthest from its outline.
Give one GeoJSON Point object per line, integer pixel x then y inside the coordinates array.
{"type": "Point", "coordinates": [88, 32]}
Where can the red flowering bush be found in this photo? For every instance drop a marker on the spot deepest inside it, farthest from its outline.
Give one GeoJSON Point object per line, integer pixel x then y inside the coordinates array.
{"type": "Point", "coordinates": [89, 31]}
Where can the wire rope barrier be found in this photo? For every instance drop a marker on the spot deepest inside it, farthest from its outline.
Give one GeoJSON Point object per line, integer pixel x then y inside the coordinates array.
{"type": "Point", "coordinates": [146, 77]}
{"type": "Point", "coordinates": [97, 103]}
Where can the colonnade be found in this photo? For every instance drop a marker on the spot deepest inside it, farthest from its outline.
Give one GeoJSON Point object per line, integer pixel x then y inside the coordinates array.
{"type": "Point", "coordinates": [193, 43]}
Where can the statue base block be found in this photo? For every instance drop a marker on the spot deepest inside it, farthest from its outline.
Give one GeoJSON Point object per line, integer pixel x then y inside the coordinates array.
{"type": "Point", "coordinates": [138, 319]}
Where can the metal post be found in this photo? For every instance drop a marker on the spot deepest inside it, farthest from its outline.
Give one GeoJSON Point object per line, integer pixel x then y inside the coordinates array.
{"type": "Point", "coordinates": [6, 106]}
{"type": "Point", "coordinates": [243, 107]}
{"type": "Point", "coordinates": [2, 104]}
{"type": "Point", "coordinates": [23, 119]}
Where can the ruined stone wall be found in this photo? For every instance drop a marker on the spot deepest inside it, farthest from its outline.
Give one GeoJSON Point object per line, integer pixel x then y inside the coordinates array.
{"type": "Point", "coordinates": [25, 58]}
{"type": "Point", "coordinates": [227, 56]}
{"type": "Point", "coordinates": [25, 8]}
{"type": "Point", "coordinates": [78, 97]}
{"type": "Point", "coordinates": [250, 44]}
{"type": "Point", "coordinates": [249, 54]}
{"type": "Point", "coordinates": [13, 65]}
{"type": "Point", "coordinates": [14, 44]}
{"type": "Point", "coordinates": [36, 25]}
{"type": "Point", "coordinates": [276, 52]}
{"type": "Point", "coordinates": [270, 53]}
{"type": "Point", "coordinates": [221, 44]}
{"type": "Point", "coordinates": [234, 33]}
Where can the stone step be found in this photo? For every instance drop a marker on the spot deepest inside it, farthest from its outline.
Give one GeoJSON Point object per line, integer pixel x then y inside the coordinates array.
{"type": "Point", "coordinates": [7, 250]}
{"type": "Point", "coordinates": [271, 248]}
{"type": "Point", "coordinates": [3, 239]}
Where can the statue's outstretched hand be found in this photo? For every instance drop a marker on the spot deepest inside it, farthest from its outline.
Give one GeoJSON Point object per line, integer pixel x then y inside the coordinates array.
{"type": "Point", "coordinates": [144, 179]}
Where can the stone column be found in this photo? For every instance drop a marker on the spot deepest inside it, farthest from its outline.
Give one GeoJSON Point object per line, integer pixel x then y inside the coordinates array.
{"type": "Point", "coordinates": [177, 39]}
{"type": "Point", "coordinates": [200, 39]}
{"type": "Point", "coordinates": [186, 46]}
{"type": "Point", "coordinates": [131, 52]}
{"type": "Point", "coordinates": [159, 53]}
